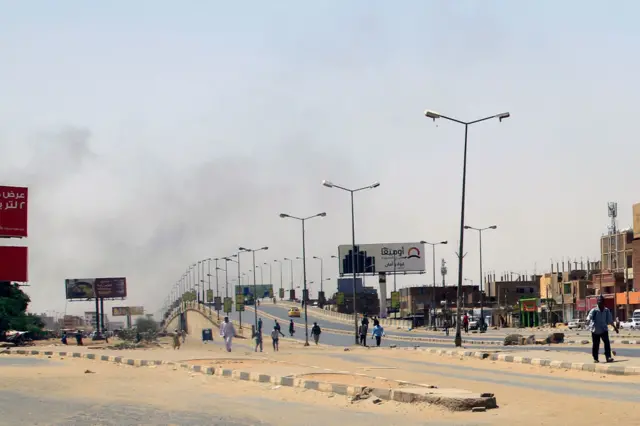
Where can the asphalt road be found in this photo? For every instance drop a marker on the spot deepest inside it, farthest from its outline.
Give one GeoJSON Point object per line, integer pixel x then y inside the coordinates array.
{"type": "Point", "coordinates": [346, 340]}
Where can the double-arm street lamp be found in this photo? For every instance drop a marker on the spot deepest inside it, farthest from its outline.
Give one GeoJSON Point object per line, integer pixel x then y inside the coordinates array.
{"type": "Point", "coordinates": [305, 296]}
{"type": "Point", "coordinates": [434, 115]}
{"type": "Point", "coordinates": [255, 287]}
{"type": "Point", "coordinates": [353, 243]}
{"type": "Point", "coordinates": [433, 296]}
{"type": "Point", "coordinates": [481, 278]}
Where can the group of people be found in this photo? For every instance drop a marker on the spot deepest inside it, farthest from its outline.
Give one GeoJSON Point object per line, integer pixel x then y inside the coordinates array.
{"type": "Point", "coordinates": [277, 332]}
{"type": "Point", "coordinates": [78, 336]}
{"type": "Point", "coordinates": [377, 332]}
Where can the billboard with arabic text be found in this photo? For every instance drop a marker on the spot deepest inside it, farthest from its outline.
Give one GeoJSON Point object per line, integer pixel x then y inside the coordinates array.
{"type": "Point", "coordinates": [376, 258]}
{"type": "Point", "coordinates": [90, 288]}
{"type": "Point", "coordinates": [13, 211]}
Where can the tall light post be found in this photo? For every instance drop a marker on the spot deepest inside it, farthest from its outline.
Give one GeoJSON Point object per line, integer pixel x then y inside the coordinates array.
{"type": "Point", "coordinates": [270, 273]}
{"type": "Point", "coordinates": [255, 288]}
{"type": "Point", "coordinates": [321, 272]}
{"type": "Point", "coordinates": [226, 266]}
{"type": "Point", "coordinates": [481, 280]}
{"type": "Point", "coordinates": [353, 242]}
{"type": "Point", "coordinates": [281, 289]}
{"type": "Point", "coordinates": [305, 296]}
{"type": "Point", "coordinates": [434, 115]}
{"type": "Point", "coordinates": [261, 274]}
{"type": "Point", "coordinates": [433, 296]}
{"type": "Point", "coordinates": [290, 272]}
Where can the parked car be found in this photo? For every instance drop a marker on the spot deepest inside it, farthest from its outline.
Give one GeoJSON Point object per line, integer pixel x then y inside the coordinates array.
{"type": "Point", "coordinates": [576, 325]}
{"type": "Point", "coordinates": [632, 324]}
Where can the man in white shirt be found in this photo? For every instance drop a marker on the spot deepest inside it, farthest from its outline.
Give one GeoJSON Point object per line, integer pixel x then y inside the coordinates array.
{"type": "Point", "coordinates": [228, 332]}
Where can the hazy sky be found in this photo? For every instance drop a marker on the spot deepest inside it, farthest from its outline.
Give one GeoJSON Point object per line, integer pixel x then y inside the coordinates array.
{"type": "Point", "coordinates": [153, 133]}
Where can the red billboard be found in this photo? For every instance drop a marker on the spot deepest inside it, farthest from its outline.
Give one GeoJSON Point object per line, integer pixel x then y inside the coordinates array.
{"type": "Point", "coordinates": [14, 263]}
{"type": "Point", "coordinates": [13, 211]}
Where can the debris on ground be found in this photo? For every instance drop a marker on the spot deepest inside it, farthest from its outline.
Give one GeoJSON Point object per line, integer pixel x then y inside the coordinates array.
{"type": "Point", "coordinates": [89, 372]}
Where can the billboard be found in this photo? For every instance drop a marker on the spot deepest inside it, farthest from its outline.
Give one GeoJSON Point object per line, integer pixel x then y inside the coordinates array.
{"type": "Point", "coordinates": [14, 263]}
{"type": "Point", "coordinates": [119, 311]}
{"type": "Point", "coordinates": [13, 211]}
{"type": "Point", "coordinates": [89, 288]}
{"type": "Point", "coordinates": [209, 296]}
{"type": "Point", "coordinates": [262, 290]}
{"type": "Point", "coordinates": [376, 258]}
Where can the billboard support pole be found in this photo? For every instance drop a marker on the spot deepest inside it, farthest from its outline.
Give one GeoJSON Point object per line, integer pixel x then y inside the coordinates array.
{"type": "Point", "coordinates": [240, 284]}
{"type": "Point", "coordinates": [102, 314]}
{"type": "Point", "coordinates": [217, 289]}
{"type": "Point", "coordinates": [97, 315]}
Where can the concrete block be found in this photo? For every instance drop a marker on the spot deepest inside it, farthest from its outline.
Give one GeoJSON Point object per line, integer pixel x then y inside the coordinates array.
{"type": "Point", "coordinates": [35, 352]}
{"type": "Point", "coordinates": [90, 356]}
{"type": "Point", "coordinates": [130, 361]}
{"type": "Point", "coordinates": [382, 393]}
{"type": "Point", "coordinates": [226, 372]}
{"type": "Point", "coordinates": [310, 384]}
{"type": "Point", "coordinates": [244, 375]}
{"type": "Point", "coordinates": [287, 381]}
{"type": "Point", "coordinates": [209, 371]}
{"type": "Point", "coordinates": [117, 359]}
{"type": "Point", "coordinates": [196, 368]}
{"type": "Point", "coordinates": [339, 389]}
{"type": "Point", "coordinates": [76, 355]}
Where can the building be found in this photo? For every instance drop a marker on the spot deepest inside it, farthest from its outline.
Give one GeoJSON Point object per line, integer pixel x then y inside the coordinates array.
{"type": "Point", "coordinates": [73, 322]}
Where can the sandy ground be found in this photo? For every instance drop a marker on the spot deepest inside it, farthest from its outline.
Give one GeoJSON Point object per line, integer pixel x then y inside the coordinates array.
{"type": "Point", "coordinates": [526, 394]}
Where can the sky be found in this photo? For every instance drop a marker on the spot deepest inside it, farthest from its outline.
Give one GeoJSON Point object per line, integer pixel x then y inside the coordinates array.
{"type": "Point", "coordinates": [153, 134]}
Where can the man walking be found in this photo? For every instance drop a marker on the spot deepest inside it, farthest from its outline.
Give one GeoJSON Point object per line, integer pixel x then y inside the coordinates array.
{"type": "Point", "coordinates": [465, 323]}
{"type": "Point", "coordinates": [378, 332]}
{"type": "Point", "coordinates": [228, 332]}
{"type": "Point", "coordinates": [364, 331]}
{"type": "Point", "coordinates": [315, 332]}
{"type": "Point", "coordinates": [599, 319]}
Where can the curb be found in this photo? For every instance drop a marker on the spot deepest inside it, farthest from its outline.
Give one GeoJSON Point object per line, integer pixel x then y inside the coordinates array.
{"type": "Point", "coordinates": [545, 362]}
{"type": "Point", "coordinates": [455, 403]}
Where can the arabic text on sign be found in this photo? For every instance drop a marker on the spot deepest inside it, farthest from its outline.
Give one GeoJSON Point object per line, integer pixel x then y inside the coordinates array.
{"type": "Point", "coordinates": [10, 195]}
{"type": "Point", "coordinates": [11, 205]}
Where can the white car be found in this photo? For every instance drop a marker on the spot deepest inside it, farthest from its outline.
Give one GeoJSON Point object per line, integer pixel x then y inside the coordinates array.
{"type": "Point", "coordinates": [632, 324]}
{"type": "Point", "coordinates": [575, 325]}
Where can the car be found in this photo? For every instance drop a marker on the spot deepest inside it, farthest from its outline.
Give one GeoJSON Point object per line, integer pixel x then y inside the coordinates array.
{"type": "Point", "coordinates": [294, 312]}
{"type": "Point", "coordinates": [632, 324]}
{"type": "Point", "coordinates": [575, 324]}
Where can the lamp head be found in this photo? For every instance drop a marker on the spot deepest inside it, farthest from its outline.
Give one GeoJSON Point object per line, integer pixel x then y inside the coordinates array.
{"type": "Point", "coordinates": [323, 214]}
{"type": "Point", "coordinates": [444, 242]}
{"type": "Point", "coordinates": [283, 215]}
{"type": "Point", "coordinates": [467, 227]}
{"type": "Point", "coordinates": [264, 248]}
{"type": "Point", "coordinates": [493, 227]}
{"type": "Point", "coordinates": [431, 114]}
{"type": "Point", "coordinates": [503, 116]}
{"type": "Point", "coordinates": [327, 184]}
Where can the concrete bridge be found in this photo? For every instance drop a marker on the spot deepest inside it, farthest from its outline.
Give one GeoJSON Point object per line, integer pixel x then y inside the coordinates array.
{"type": "Point", "coordinates": [193, 318]}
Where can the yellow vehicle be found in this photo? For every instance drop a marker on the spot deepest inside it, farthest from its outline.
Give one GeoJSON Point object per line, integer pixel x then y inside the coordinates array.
{"type": "Point", "coordinates": [294, 312]}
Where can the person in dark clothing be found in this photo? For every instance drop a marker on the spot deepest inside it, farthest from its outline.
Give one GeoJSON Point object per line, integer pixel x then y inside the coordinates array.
{"type": "Point", "coordinates": [79, 337]}
{"type": "Point", "coordinates": [277, 328]}
{"type": "Point", "coordinates": [291, 328]}
{"type": "Point", "coordinates": [315, 332]}
{"type": "Point", "coordinates": [599, 320]}
{"type": "Point", "coordinates": [64, 337]}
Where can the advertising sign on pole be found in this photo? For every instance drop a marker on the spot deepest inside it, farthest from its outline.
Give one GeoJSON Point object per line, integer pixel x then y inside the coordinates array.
{"type": "Point", "coordinates": [13, 211]}
{"type": "Point", "coordinates": [281, 293]}
{"type": "Point", "coordinates": [376, 258]}
{"type": "Point", "coordinates": [395, 301]}
{"type": "Point", "coordinates": [340, 299]}
{"type": "Point", "coordinates": [228, 304]}
{"type": "Point", "coordinates": [14, 264]}
{"type": "Point", "coordinates": [209, 296]}
{"type": "Point", "coordinates": [217, 302]}
{"type": "Point", "coordinates": [119, 311]}
{"type": "Point", "coordinates": [239, 303]}
{"type": "Point", "coordinates": [136, 310]}
{"type": "Point", "coordinates": [292, 295]}
{"type": "Point", "coordinates": [89, 288]}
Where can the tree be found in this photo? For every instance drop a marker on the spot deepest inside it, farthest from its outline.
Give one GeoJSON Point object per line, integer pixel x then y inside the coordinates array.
{"type": "Point", "coordinates": [145, 325]}
{"type": "Point", "coordinates": [13, 311]}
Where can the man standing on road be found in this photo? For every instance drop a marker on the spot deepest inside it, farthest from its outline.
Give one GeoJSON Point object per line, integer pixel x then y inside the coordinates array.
{"type": "Point", "coordinates": [277, 327]}
{"type": "Point", "coordinates": [315, 332]}
{"type": "Point", "coordinates": [378, 332]}
{"type": "Point", "coordinates": [364, 330]}
{"type": "Point", "coordinates": [228, 332]}
{"type": "Point", "coordinates": [291, 328]}
{"type": "Point", "coordinates": [599, 319]}
{"type": "Point", "coordinates": [465, 323]}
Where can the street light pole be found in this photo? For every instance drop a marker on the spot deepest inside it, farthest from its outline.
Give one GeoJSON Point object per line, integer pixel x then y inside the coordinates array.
{"type": "Point", "coordinates": [434, 115]}
{"type": "Point", "coordinates": [281, 289]}
{"type": "Point", "coordinates": [481, 280]}
{"type": "Point", "coordinates": [290, 273]}
{"type": "Point", "coordinates": [270, 273]}
{"type": "Point", "coordinates": [305, 296]}
{"type": "Point", "coordinates": [321, 271]}
{"type": "Point", "coordinates": [353, 244]}
{"type": "Point", "coordinates": [255, 287]}
{"type": "Point", "coordinates": [433, 296]}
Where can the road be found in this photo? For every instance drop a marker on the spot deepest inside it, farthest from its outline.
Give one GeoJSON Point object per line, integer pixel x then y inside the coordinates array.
{"type": "Point", "coordinates": [44, 391]}
{"type": "Point", "coordinates": [280, 311]}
